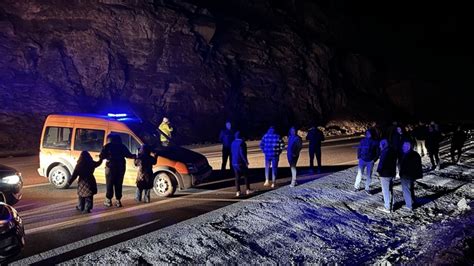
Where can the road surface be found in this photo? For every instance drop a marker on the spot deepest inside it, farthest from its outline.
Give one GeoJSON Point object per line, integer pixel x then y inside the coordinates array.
{"type": "Point", "coordinates": [56, 232]}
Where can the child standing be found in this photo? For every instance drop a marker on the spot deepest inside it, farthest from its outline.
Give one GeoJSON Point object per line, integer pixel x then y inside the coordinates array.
{"type": "Point", "coordinates": [144, 162]}
{"type": "Point", "coordinates": [86, 185]}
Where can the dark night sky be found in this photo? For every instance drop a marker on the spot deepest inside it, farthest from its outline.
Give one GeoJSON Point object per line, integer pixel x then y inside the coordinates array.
{"type": "Point", "coordinates": [426, 42]}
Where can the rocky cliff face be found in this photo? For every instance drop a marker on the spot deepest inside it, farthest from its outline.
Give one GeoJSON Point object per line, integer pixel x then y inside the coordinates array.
{"type": "Point", "coordinates": [258, 63]}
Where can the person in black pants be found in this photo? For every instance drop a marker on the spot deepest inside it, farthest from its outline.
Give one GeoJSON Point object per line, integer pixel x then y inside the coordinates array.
{"type": "Point", "coordinates": [459, 137]}
{"type": "Point", "coordinates": [240, 163]}
{"type": "Point", "coordinates": [410, 170]}
{"type": "Point", "coordinates": [315, 137]}
{"type": "Point", "coordinates": [226, 137]}
{"type": "Point", "coordinates": [115, 153]}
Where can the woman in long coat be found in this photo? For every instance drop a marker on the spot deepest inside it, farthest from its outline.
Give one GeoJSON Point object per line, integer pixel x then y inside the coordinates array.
{"type": "Point", "coordinates": [86, 185]}
{"type": "Point", "coordinates": [144, 162]}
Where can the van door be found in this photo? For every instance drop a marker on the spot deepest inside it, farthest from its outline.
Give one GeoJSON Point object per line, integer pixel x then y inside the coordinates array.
{"type": "Point", "coordinates": [56, 148]}
{"type": "Point", "coordinates": [133, 146]}
{"type": "Point", "coordinates": [91, 140]}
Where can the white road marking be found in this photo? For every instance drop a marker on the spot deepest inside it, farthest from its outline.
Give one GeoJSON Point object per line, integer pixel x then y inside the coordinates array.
{"type": "Point", "coordinates": [348, 162]}
{"type": "Point", "coordinates": [72, 222]}
{"type": "Point", "coordinates": [235, 200]}
{"type": "Point", "coordinates": [76, 245]}
{"type": "Point", "coordinates": [37, 185]}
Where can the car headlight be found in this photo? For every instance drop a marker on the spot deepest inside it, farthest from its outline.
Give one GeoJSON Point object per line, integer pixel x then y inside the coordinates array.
{"type": "Point", "coordinates": [6, 226]}
{"type": "Point", "coordinates": [11, 179]}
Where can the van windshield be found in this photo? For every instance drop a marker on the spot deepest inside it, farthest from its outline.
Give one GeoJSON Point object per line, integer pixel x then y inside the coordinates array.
{"type": "Point", "coordinates": [146, 132]}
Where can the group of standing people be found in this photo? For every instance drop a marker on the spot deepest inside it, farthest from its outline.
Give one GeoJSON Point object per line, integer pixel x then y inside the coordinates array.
{"type": "Point", "coordinates": [234, 149]}
{"type": "Point", "coordinates": [114, 152]}
{"type": "Point", "coordinates": [395, 150]}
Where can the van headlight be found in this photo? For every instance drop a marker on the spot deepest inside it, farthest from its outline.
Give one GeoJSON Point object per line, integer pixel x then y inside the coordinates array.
{"type": "Point", "coordinates": [11, 179]}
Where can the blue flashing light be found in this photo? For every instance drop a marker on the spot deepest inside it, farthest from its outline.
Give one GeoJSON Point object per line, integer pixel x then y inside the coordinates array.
{"type": "Point", "coordinates": [122, 119]}
{"type": "Point", "coordinates": [116, 115]}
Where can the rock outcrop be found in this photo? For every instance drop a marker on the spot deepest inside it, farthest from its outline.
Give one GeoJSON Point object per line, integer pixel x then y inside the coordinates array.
{"type": "Point", "coordinates": [257, 63]}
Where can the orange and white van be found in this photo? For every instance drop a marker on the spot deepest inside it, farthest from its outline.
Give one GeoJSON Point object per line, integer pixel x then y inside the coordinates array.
{"type": "Point", "coordinates": [64, 136]}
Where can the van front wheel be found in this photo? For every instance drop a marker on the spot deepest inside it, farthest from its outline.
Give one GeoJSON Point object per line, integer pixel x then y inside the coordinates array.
{"type": "Point", "coordinates": [164, 184]}
{"type": "Point", "coordinates": [59, 176]}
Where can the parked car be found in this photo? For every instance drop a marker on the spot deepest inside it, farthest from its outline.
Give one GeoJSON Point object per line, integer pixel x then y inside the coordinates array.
{"type": "Point", "coordinates": [64, 136]}
{"type": "Point", "coordinates": [12, 232]}
{"type": "Point", "coordinates": [11, 184]}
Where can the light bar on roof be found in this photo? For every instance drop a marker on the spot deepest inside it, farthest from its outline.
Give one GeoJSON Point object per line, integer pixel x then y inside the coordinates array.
{"type": "Point", "coordinates": [116, 115]}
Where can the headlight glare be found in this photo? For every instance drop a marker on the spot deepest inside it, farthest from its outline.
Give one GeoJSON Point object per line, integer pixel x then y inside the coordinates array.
{"type": "Point", "coordinates": [11, 179]}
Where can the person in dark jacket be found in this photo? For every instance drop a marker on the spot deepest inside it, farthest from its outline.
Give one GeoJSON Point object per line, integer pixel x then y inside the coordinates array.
{"type": "Point", "coordinates": [115, 153]}
{"type": "Point", "coordinates": [459, 137]}
{"type": "Point", "coordinates": [240, 163]}
{"type": "Point", "coordinates": [432, 145]}
{"type": "Point", "coordinates": [272, 146]}
{"type": "Point", "coordinates": [315, 137]}
{"type": "Point", "coordinates": [226, 137]}
{"type": "Point", "coordinates": [420, 133]}
{"type": "Point", "coordinates": [410, 170]}
{"type": "Point", "coordinates": [293, 152]}
{"type": "Point", "coordinates": [387, 170]}
{"type": "Point", "coordinates": [367, 153]}
{"type": "Point", "coordinates": [397, 139]}
{"type": "Point", "coordinates": [390, 131]}
{"type": "Point", "coordinates": [87, 185]}
{"type": "Point", "coordinates": [144, 161]}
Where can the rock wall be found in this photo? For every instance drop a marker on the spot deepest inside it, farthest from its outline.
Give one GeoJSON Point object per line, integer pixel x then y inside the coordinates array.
{"type": "Point", "coordinates": [257, 63]}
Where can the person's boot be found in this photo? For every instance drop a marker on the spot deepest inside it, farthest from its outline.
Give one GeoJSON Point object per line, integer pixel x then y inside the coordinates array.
{"type": "Point", "coordinates": [138, 195]}
{"type": "Point", "coordinates": [87, 207]}
{"type": "Point", "coordinates": [147, 196]}
{"type": "Point", "coordinates": [118, 204]}
{"type": "Point", "coordinates": [108, 202]}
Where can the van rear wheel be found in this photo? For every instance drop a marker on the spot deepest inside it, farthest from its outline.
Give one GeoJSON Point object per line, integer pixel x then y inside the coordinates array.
{"type": "Point", "coordinates": [164, 184]}
{"type": "Point", "coordinates": [59, 176]}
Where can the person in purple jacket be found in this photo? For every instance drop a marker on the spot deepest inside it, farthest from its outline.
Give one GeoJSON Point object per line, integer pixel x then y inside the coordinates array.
{"type": "Point", "coordinates": [295, 143]}
{"type": "Point", "coordinates": [367, 153]}
{"type": "Point", "coordinates": [240, 163]}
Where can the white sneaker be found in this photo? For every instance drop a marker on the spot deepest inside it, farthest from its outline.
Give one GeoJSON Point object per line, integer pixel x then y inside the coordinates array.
{"type": "Point", "coordinates": [293, 185]}
{"type": "Point", "coordinates": [237, 194]}
{"type": "Point", "coordinates": [273, 185]}
{"type": "Point", "coordinates": [249, 191]}
{"type": "Point", "coordinates": [266, 184]}
{"type": "Point", "coordinates": [382, 209]}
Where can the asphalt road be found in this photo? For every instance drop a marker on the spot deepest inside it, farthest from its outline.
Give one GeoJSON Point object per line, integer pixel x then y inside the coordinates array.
{"type": "Point", "coordinates": [56, 232]}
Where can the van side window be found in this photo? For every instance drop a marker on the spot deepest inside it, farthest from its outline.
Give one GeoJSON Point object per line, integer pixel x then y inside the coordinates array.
{"type": "Point", "coordinates": [130, 142]}
{"type": "Point", "coordinates": [134, 146]}
{"type": "Point", "coordinates": [89, 140]}
{"type": "Point", "coordinates": [57, 138]}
